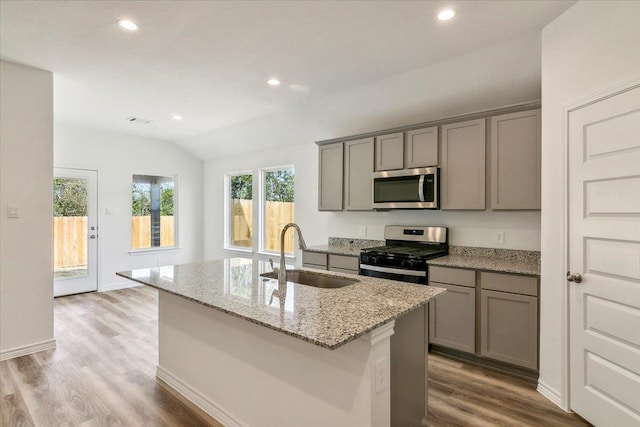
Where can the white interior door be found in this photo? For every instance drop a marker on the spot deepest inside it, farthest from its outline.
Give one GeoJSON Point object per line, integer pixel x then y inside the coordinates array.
{"type": "Point", "coordinates": [75, 231]}
{"type": "Point", "coordinates": [604, 248]}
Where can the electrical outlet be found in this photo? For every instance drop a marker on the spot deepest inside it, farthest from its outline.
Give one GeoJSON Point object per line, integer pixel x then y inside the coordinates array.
{"type": "Point", "coordinates": [381, 380]}
{"type": "Point", "coordinates": [500, 237]}
{"type": "Point", "coordinates": [363, 231]}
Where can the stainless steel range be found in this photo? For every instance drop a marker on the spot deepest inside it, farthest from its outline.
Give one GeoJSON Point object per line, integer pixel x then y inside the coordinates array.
{"type": "Point", "coordinates": [405, 254]}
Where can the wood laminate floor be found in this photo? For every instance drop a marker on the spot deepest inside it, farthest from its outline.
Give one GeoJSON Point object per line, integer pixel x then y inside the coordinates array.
{"type": "Point", "coordinates": [102, 373]}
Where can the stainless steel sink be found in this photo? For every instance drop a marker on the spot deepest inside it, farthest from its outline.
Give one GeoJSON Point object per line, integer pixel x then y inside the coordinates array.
{"type": "Point", "coordinates": [313, 279]}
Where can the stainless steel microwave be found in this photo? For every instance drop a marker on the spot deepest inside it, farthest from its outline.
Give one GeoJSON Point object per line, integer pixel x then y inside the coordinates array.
{"type": "Point", "coordinates": [407, 189]}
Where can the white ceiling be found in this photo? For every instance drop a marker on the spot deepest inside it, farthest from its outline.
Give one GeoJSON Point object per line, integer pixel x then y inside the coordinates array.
{"type": "Point", "coordinates": [208, 60]}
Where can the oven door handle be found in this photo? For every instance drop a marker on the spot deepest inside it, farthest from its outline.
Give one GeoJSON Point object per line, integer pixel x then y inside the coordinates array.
{"type": "Point", "coordinates": [416, 273]}
{"type": "Point", "coordinates": [421, 188]}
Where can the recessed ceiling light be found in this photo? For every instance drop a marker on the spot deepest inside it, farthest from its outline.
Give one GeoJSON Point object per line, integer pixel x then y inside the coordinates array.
{"type": "Point", "coordinates": [446, 14]}
{"type": "Point", "coordinates": [176, 117]}
{"type": "Point", "coordinates": [273, 82]}
{"type": "Point", "coordinates": [128, 25]}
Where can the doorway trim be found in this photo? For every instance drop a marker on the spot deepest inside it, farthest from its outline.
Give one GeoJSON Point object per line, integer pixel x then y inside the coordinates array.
{"type": "Point", "coordinates": [98, 214]}
{"type": "Point", "coordinates": [564, 400]}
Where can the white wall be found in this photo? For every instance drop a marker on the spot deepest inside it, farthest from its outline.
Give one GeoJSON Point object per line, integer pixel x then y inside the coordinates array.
{"type": "Point", "coordinates": [26, 254]}
{"type": "Point", "coordinates": [468, 83]}
{"type": "Point", "coordinates": [117, 157]}
{"type": "Point", "coordinates": [591, 48]}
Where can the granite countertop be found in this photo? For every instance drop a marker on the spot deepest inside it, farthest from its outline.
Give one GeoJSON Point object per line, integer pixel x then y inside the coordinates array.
{"type": "Point", "coordinates": [489, 259]}
{"type": "Point", "coordinates": [345, 246]}
{"type": "Point", "coordinates": [329, 318]}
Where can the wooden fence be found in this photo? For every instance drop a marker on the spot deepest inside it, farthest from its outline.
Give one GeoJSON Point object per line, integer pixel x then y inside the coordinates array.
{"type": "Point", "coordinates": [69, 241]}
{"type": "Point", "coordinates": [70, 232]}
{"type": "Point", "coordinates": [277, 215]}
{"type": "Point", "coordinates": [70, 237]}
{"type": "Point", "coordinates": [141, 231]}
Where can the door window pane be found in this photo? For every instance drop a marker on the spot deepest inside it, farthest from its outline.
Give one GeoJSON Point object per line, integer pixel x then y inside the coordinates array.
{"type": "Point", "coordinates": [278, 208]}
{"type": "Point", "coordinates": [240, 211]}
{"type": "Point", "coordinates": [70, 227]}
{"type": "Point", "coordinates": [152, 212]}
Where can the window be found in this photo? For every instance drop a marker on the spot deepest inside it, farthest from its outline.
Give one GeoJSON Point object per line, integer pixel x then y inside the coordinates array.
{"type": "Point", "coordinates": [240, 210]}
{"type": "Point", "coordinates": [278, 203]}
{"type": "Point", "coordinates": [274, 210]}
{"type": "Point", "coordinates": [152, 212]}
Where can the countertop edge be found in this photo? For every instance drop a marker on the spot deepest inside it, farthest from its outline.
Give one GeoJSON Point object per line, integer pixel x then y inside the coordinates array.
{"type": "Point", "coordinates": [289, 333]}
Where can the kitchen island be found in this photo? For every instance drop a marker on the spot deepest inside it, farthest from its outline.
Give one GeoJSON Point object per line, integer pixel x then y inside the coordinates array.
{"type": "Point", "coordinates": [249, 356]}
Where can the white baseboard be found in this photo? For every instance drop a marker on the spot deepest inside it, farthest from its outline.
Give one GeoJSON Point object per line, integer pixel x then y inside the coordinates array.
{"type": "Point", "coordinates": [552, 395]}
{"type": "Point", "coordinates": [27, 349]}
{"type": "Point", "coordinates": [116, 286]}
{"type": "Point", "coordinates": [197, 398]}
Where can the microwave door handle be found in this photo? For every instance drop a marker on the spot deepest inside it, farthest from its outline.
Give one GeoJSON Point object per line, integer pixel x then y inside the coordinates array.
{"type": "Point", "coordinates": [421, 188]}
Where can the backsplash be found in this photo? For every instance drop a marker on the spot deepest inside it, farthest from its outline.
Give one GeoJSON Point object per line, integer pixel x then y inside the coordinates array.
{"type": "Point", "coordinates": [354, 244]}
{"type": "Point", "coordinates": [505, 254]}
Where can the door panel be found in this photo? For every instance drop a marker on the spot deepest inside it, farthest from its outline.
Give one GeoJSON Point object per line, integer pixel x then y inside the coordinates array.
{"type": "Point", "coordinates": [75, 231]}
{"type": "Point", "coordinates": [604, 247]}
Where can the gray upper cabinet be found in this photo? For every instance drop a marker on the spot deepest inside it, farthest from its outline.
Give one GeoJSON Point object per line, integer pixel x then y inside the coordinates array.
{"type": "Point", "coordinates": [421, 148]}
{"type": "Point", "coordinates": [330, 179]}
{"type": "Point", "coordinates": [390, 151]}
{"type": "Point", "coordinates": [463, 165]}
{"type": "Point", "coordinates": [358, 174]}
{"type": "Point", "coordinates": [515, 161]}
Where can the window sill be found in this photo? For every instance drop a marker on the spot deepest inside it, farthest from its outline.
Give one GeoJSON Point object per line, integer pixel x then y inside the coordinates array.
{"type": "Point", "coordinates": [152, 250]}
{"type": "Point", "coordinates": [239, 250]}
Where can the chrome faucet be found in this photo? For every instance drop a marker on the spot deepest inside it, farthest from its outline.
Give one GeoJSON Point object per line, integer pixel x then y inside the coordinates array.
{"type": "Point", "coordinates": [282, 271]}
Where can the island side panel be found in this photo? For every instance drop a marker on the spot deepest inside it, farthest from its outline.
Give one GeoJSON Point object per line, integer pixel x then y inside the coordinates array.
{"type": "Point", "coordinates": [409, 369]}
{"type": "Point", "coordinates": [244, 374]}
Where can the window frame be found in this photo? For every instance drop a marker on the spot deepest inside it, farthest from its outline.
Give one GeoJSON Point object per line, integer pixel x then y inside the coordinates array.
{"type": "Point", "coordinates": [262, 199]}
{"type": "Point", "coordinates": [227, 246]}
{"type": "Point", "coordinates": [176, 222]}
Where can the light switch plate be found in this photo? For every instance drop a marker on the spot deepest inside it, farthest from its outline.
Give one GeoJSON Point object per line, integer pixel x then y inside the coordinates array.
{"type": "Point", "coordinates": [13, 210]}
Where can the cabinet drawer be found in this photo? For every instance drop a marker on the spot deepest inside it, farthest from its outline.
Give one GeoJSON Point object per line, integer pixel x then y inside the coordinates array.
{"type": "Point", "coordinates": [454, 276]}
{"type": "Point", "coordinates": [343, 270]}
{"type": "Point", "coordinates": [522, 285]}
{"type": "Point", "coordinates": [315, 258]}
{"type": "Point", "coordinates": [344, 262]}
{"type": "Point", "coordinates": [316, 266]}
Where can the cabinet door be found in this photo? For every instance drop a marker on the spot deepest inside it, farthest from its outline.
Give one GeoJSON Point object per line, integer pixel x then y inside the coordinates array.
{"type": "Point", "coordinates": [330, 180]}
{"type": "Point", "coordinates": [509, 328]}
{"type": "Point", "coordinates": [452, 318]}
{"type": "Point", "coordinates": [421, 148]}
{"type": "Point", "coordinates": [390, 151]}
{"type": "Point", "coordinates": [515, 161]}
{"type": "Point", "coordinates": [358, 174]}
{"type": "Point", "coordinates": [463, 165]}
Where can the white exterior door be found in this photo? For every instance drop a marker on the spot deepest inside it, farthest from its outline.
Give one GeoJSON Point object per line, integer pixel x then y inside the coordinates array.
{"type": "Point", "coordinates": [75, 231]}
{"type": "Point", "coordinates": [604, 248]}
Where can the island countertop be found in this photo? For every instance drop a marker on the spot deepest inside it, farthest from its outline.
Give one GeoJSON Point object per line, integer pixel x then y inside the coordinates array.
{"type": "Point", "coordinates": [328, 318]}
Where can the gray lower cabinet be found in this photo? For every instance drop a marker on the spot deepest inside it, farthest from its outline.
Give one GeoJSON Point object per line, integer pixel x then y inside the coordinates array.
{"type": "Point", "coordinates": [330, 177]}
{"type": "Point", "coordinates": [358, 174]}
{"type": "Point", "coordinates": [515, 160]}
{"type": "Point", "coordinates": [462, 174]}
{"type": "Point", "coordinates": [314, 260]}
{"type": "Point", "coordinates": [501, 308]}
{"type": "Point", "coordinates": [452, 318]}
{"type": "Point", "coordinates": [421, 148]}
{"type": "Point", "coordinates": [344, 263]}
{"type": "Point", "coordinates": [332, 262]}
{"type": "Point", "coordinates": [509, 320]}
{"type": "Point", "coordinates": [509, 328]}
{"type": "Point", "coordinates": [390, 151]}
